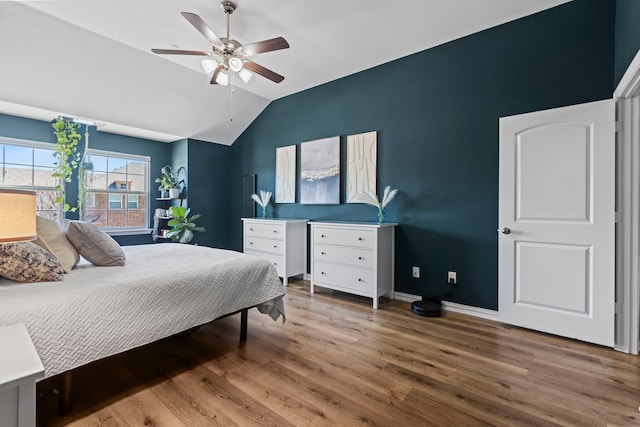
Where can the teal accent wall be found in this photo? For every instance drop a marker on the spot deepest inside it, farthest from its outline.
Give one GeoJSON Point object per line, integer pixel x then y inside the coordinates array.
{"type": "Point", "coordinates": [209, 191]}
{"type": "Point", "coordinates": [36, 130]}
{"type": "Point", "coordinates": [627, 35]}
{"type": "Point", "coordinates": [436, 113]}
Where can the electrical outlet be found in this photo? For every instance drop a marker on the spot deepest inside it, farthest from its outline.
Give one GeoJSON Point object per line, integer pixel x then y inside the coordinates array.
{"type": "Point", "coordinates": [452, 278]}
{"type": "Point", "coordinates": [416, 272]}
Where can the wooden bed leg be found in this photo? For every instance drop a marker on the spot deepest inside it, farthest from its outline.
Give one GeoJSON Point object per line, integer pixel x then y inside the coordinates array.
{"type": "Point", "coordinates": [64, 399]}
{"type": "Point", "coordinates": [243, 324]}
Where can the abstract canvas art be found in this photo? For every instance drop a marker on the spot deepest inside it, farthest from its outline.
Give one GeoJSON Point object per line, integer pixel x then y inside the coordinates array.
{"type": "Point", "coordinates": [286, 174]}
{"type": "Point", "coordinates": [361, 164]}
{"type": "Point", "coordinates": [320, 171]}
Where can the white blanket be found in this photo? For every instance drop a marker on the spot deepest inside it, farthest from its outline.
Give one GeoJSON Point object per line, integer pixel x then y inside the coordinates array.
{"type": "Point", "coordinates": [162, 290]}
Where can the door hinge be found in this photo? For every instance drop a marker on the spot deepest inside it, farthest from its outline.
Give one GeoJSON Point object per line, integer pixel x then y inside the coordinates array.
{"type": "Point", "coordinates": [618, 217]}
{"type": "Point", "coordinates": [618, 126]}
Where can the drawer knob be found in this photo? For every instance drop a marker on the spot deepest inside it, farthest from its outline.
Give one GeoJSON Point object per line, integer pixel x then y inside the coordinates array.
{"type": "Point", "coordinates": [323, 253]}
{"type": "Point", "coordinates": [360, 258]}
{"type": "Point", "coordinates": [323, 273]}
{"type": "Point", "coordinates": [275, 246]}
{"type": "Point", "coordinates": [323, 236]}
{"type": "Point", "coordinates": [275, 263]}
{"type": "Point", "coordinates": [360, 280]}
{"type": "Point", "coordinates": [251, 229]}
{"type": "Point", "coordinates": [360, 238]}
{"type": "Point", "coordinates": [275, 231]}
{"type": "Point", "coordinates": [251, 243]}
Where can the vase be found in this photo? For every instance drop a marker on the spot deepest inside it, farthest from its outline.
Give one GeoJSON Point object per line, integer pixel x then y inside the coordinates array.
{"type": "Point", "coordinates": [174, 193]}
{"type": "Point", "coordinates": [381, 216]}
{"type": "Point", "coordinates": [264, 212]}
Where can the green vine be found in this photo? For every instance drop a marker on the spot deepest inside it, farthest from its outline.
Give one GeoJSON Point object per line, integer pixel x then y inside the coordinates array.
{"type": "Point", "coordinates": [67, 156]}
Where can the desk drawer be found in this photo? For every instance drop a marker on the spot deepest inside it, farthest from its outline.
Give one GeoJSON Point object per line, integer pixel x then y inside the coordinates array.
{"type": "Point", "coordinates": [357, 279]}
{"type": "Point", "coordinates": [364, 258]}
{"type": "Point", "coordinates": [346, 237]}
{"type": "Point", "coordinates": [268, 230]}
{"type": "Point", "coordinates": [263, 245]}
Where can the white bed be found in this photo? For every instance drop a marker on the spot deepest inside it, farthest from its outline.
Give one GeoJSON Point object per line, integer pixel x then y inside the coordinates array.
{"type": "Point", "coordinates": [163, 289]}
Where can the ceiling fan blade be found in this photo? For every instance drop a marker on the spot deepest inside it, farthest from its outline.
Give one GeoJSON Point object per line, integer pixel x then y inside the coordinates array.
{"type": "Point", "coordinates": [265, 46]}
{"type": "Point", "coordinates": [180, 52]}
{"type": "Point", "coordinates": [214, 77]}
{"type": "Point", "coordinates": [264, 72]}
{"type": "Point", "coordinates": [200, 25]}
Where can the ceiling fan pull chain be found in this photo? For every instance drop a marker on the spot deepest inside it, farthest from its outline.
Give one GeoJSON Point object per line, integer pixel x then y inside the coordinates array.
{"type": "Point", "coordinates": [231, 92]}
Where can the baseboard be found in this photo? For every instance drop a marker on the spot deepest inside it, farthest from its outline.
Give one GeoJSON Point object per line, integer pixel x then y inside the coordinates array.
{"type": "Point", "coordinates": [454, 306]}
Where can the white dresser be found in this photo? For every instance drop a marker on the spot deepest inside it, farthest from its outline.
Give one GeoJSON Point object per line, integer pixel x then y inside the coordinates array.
{"type": "Point", "coordinates": [20, 368]}
{"type": "Point", "coordinates": [281, 241]}
{"type": "Point", "coordinates": [353, 257]}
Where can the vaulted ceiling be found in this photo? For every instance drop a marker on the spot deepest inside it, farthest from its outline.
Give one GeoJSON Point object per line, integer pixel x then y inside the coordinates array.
{"type": "Point", "coordinates": [91, 59]}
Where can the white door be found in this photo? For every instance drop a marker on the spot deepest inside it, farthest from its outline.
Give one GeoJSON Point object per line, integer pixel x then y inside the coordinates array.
{"type": "Point", "coordinates": [556, 245]}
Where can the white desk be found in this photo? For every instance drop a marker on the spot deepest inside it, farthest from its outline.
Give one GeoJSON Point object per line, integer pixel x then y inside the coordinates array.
{"type": "Point", "coordinates": [20, 368]}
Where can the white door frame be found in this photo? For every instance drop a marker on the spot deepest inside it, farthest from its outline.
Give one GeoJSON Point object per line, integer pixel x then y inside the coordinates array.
{"type": "Point", "coordinates": [627, 95]}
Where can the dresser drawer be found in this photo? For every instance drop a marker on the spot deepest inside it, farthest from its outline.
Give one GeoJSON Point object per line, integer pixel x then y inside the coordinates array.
{"type": "Point", "coordinates": [263, 245]}
{"type": "Point", "coordinates": [347, 237]}
{"type": "Point", "coordinates": [353, 278]}
{"type": "Point", "coordinates": [354, 256]}
{"type": "Point", "coordinates": [276, 260]}
{"type": "Point", "coordinates": [269, 230]}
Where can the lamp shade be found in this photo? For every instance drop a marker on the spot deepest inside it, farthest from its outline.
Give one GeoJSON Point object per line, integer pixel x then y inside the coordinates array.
{"type": "Point", "coordinates": [17, 215]}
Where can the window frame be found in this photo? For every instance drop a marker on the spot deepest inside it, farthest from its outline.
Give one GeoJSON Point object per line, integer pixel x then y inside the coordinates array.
{"type": "Point", "coordinates": [35, 145]}
{"type": "Point", "coordinates": [146, 160]}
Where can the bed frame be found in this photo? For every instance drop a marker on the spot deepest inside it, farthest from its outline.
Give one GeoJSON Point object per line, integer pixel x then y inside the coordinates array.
{"type": "Point", "coordinates": [64, 394]}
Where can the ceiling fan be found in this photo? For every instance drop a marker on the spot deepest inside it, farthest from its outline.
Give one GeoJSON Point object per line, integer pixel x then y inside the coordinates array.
{"type": "Point", "coordinates": [229, 54]}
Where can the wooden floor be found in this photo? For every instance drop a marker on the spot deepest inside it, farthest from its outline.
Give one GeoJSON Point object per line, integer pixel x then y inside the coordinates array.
{"type": "Point", "coordinates": [336, 361]}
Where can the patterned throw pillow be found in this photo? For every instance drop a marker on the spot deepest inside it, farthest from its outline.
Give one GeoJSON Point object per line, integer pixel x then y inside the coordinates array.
{"type": "Point", "coordinates": [27, 262]}
{"type": "Point", "coordinates": [52, 238]}
{"type": "Point", "coordinates": [94, 244]}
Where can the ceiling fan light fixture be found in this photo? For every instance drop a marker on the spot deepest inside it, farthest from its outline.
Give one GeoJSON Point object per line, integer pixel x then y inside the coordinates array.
{"type": "Point", "coordinates": [223, 78]}
{"type": "Point", "coordinates": [245, 75]}
{"type": "Point", "coordinates": [209, 65]}
{"type": "Point", "coordinates": [235, 64]}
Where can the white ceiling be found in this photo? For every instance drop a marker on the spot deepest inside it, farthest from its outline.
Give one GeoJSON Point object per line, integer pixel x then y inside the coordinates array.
{"type": "Point", "coordinates": [92, 59]}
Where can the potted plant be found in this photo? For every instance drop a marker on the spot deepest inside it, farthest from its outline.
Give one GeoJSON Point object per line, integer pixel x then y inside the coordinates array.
{"type": "Point", "coordinates": [182, 227]}
{"type": "Point", "coordinates": [67, 156]}
{"type": "Point", "coordinates": [169, 181]}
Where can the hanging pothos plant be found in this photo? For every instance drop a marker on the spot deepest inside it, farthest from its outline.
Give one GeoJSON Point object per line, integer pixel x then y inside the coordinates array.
{"type": "Point", "coordinates": [67, 156]}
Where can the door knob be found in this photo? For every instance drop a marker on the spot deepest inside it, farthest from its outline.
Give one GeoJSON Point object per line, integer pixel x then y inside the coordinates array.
{"type": "Point", "coordinates": [504, 230]}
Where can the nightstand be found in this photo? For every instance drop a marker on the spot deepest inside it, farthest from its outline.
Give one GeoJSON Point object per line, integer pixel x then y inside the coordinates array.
{"type": "Point", "coordinates": [20, 368]}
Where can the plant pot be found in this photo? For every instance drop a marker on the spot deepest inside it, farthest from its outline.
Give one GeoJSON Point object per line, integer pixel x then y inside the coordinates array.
{"type": "Point", "coordinates": [174, 193]}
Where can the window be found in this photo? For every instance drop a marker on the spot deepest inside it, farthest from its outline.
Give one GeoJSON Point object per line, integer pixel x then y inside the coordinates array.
{"type": "Point", "coordinates": [28, 165]}
{"type": "Point", "coordinates": [115, 201]}
{"type": "Point", "coordinates": [117, 189]}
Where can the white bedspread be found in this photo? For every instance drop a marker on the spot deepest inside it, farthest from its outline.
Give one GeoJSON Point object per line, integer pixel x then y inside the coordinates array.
{"type": "Point", "coordinates": [162, 290]}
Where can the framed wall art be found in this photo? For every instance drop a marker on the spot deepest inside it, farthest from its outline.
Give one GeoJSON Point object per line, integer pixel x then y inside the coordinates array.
{"type": "Point", "coordinates": [286, 174]}
{"type": "Point", "coordinates": [320, 171]}
{"type": "Point", "coordinates": [361, 164]}
{"type": "Point", "coordinates": [248, 187]}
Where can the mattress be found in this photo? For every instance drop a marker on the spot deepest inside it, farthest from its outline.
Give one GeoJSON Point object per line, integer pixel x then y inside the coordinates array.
{"type": "Point", "coordinates": [163, 289]}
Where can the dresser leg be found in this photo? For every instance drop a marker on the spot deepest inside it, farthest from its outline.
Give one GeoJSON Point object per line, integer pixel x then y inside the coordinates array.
{"type": "Point", "coordinates": [285, 281]}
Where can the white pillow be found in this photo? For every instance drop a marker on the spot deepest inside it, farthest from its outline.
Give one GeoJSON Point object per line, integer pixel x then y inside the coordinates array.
{"type": "Point", "coordinates": [51, 237]}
